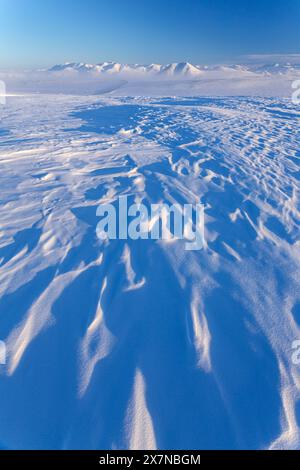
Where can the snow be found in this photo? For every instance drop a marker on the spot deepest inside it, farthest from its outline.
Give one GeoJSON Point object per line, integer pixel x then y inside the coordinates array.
{"type": "Point", "coordinates": [142, 344]}
{"type": "Point", "coordinates": [182, 69]}
{"type": "Point", "coordinates": [175, 79]}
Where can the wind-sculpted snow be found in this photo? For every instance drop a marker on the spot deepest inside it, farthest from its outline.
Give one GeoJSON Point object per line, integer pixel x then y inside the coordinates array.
{"type": "Point", "coordinates": [140, 343]}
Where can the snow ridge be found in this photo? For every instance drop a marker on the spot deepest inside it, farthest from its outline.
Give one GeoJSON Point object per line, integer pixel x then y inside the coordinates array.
{"type": "Point", "coordinates": [178, 69]}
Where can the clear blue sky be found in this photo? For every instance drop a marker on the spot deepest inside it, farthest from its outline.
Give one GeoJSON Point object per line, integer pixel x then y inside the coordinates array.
{"type": "Point", "coordinates": [44, 32]}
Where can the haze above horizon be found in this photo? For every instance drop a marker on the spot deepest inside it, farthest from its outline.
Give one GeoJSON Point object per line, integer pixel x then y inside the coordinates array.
{"type": "Point", "coordinates": [41, 34]}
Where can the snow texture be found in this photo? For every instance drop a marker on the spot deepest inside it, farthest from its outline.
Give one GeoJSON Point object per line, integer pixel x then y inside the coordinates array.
{"type": "Point", "coordinates": [141, 344]}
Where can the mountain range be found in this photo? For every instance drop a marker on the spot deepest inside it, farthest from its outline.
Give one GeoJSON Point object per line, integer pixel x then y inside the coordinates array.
{"type": "Point", "coordinates": [177, 70]}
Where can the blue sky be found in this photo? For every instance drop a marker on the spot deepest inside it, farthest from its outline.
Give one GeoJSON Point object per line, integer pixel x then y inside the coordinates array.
{"type": "Point", "coordinates": [43, 32]}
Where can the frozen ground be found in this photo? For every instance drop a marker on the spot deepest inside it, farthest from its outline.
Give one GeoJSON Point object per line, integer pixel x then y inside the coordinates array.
{"type": "Point", "coordinates": [141, 344]}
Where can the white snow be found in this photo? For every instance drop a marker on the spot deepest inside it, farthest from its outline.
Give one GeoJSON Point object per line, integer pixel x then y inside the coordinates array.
{"type": "Point", "coordinates": [142, 344]}
{"type": "Point", "coordinates": [254, 78]}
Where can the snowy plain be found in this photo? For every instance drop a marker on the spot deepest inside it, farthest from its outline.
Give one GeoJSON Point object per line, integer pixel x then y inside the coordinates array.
{"type": "Point", "coordinates": [141, 344]}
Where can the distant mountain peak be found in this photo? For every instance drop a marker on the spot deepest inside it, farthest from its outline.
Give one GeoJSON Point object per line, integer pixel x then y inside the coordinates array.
{"type": "Point", "coordinates": [172, 69]}
{"type": "Point", "coordinates": [177, 69]}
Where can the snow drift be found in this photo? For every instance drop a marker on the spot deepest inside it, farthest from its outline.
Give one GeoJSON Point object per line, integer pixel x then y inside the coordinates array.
{"type": "Point", "coordinates": [141, 344]}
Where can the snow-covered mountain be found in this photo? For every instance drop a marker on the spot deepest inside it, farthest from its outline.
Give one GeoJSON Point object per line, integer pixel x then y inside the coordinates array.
{"type": "Point", "coordinates": [270, 76]}
{"type": "Point", "coordinates": [169, 70]}
{"type": "Point", "coordinates": [276, 68]}
{"type": "Point", "coordinates": [179, 70]}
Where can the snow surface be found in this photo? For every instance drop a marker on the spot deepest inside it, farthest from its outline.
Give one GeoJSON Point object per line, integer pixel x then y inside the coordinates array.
{"type": "Point", "coordinates": [141, 344]}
